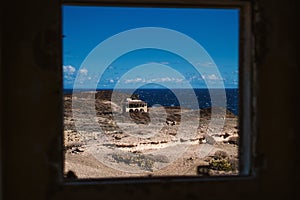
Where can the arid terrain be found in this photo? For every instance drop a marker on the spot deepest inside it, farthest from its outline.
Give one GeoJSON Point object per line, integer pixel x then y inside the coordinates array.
{"type": "Point", "coordinates": [166, 141]}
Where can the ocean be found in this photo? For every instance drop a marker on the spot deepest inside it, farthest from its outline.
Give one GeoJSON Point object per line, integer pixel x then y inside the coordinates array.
{"type": "Point", "coordinates": [167, 97]}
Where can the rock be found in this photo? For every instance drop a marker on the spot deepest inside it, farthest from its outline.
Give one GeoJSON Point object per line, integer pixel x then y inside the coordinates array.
{"type": "Point", "coordinates": [126, 145]}
{"type": "Point", "coordinates": [117, 137]}
{"type": "Point", "coordinates": [173, 133]}
{"type": "Point", "coordinates": [183, 140]}
{"type": "Point", "coordinates": [203, 169]}
{"type": "Point", "coordinates": [209, 139]}
{"type": "Point", "coordinates": [71, 175]}
{"type": "Point", "coordinates": [225, 135]}
{"type": "Point", "coordinates": [172, 123]}
{"type": "Point", "coordinates": [77, 150]}
{"type": "Point", "coordinates": [220, 154]}
{"type": "Point", "coordinates": [234, 139]}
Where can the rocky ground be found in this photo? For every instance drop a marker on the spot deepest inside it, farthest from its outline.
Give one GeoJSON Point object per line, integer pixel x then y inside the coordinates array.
{"type": "Point", "coordinates": [166, 141]}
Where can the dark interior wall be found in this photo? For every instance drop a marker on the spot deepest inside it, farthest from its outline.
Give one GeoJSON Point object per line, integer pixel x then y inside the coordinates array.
{"type": "Point", "coordinates": [31, 94]}
{"type": "Point", "coordinates": [31, 97]}
{"type": "Point", "coordinates": [276, 64]}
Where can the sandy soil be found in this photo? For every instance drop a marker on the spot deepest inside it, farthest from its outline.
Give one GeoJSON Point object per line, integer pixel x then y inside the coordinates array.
{"type": "Point", "coordinates": [104, 142]}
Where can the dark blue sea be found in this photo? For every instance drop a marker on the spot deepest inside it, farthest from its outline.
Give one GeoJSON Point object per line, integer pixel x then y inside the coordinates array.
{"type": "Point", "coordinates": [166, 97]}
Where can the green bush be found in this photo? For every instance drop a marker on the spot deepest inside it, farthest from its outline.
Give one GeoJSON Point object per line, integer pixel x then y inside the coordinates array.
{"type": "Point", "coordinates": [220, 164]}
{"type": "Point", "coordinates": [135, 159]}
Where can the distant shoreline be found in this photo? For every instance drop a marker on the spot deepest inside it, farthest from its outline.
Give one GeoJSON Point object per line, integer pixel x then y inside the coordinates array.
{"type": "Point", "coordinates": [166, 98]}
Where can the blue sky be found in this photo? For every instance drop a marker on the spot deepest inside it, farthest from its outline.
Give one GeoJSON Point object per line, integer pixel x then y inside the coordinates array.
{"type": "Point", "coordinates": [216, 30]}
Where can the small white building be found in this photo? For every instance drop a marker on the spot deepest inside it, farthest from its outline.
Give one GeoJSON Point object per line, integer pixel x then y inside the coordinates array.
{"type": "Point", "coordinates": [134, 105]}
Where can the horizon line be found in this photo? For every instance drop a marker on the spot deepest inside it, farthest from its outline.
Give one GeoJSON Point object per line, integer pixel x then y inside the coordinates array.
{"type": "Point", "coordinates": [91, 89]}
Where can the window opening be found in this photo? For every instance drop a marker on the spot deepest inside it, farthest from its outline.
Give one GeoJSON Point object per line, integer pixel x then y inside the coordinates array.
{"type": "Point", "coordinates": [150, 91]}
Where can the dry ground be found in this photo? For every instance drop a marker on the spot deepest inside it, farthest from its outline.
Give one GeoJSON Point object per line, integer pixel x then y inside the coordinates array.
{"type": "Point", "coordinates": [146, 144]}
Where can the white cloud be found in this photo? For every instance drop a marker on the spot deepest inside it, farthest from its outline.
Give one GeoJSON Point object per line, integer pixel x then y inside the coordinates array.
{"type": "Point", "coordinates": [83, 71]}
{"type": "Point", "coordinates": [170, 79]}
{"type": "Point", "coordinates": [165, 79]}
{"type": "Point", "coordinates": [179, 80]}
{"type": "Point", "coordinates": [212, 77]}
{"type": "Point", "coordinates": [154, 80]}
{"type": "Point", "coordinates": [69, 75]}
{"type": "Point", "coordinates": [135, 80]}
{"type": "Point", "coordinates": [161, 62]}
{"type": "Point", "coordinates": [68, 69]}
{"type": "Point", "coordinates": [205, 64]}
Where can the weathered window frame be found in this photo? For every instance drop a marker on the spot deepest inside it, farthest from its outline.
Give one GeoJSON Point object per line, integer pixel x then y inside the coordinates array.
{"type": "Point", "coordinates": [46, 149]}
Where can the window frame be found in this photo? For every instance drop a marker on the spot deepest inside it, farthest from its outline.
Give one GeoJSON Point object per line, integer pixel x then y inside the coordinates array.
{"type": "Point", "coordinates": [247, 96]}
{"type": "Point", "coordinates": [42, 156]}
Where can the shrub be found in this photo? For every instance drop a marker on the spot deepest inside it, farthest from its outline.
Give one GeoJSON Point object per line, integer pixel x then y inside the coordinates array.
{"type": "Point", "coordinates": [220, 164]}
